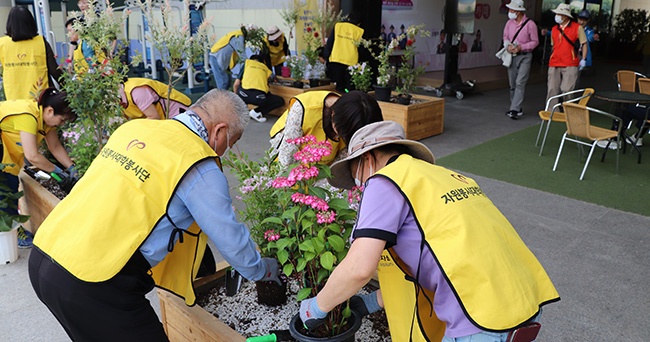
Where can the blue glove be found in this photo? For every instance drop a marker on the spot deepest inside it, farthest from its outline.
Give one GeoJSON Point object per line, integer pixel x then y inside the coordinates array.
{"type": "Point", "coordinates": [311, 315]}
{"type": "Point", "coordinates": [272, 272]}
{"type": "Point", "coordinates": [72, 171]}
{"type": "Point", "coordinates": [582, 64]}
{"type": "Point", "coordinates": [365, 304]}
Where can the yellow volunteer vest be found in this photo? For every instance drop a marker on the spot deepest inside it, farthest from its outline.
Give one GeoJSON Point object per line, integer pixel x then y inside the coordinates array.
{"type": "Point", "coordinates": [225, 40]}
{"type": "Point", "coordinates": [399, 302]}
{"type": "Point", "coordinates": [80, 64]}
{"type": "Point", "coordinates": [460, 226]}
{"type": "Point", "coordinates": [344, 50]}
{"type": "Point", "coordinates": [133, 112]}
{"type": "Point", "coordinates": [312, 120]}
{"type": "Point", "coordinates": [256, 76]}
{"type": "Point", "coordinates": [276, 52]}
{"type": "Point", "coordinates": [13, 152]}
{"type": "Point", "coordinates": [89, 236]}
{"type": "Point", "coordinates": [24, 67]}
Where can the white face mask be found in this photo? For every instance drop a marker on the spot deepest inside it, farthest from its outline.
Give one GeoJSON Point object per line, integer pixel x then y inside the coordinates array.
{"type": "Point", "coordinates": [227, 145]}
{"type": "Point", "coordinates": [512, 15]}
{"type": "Point", "coordinates": [559, 19]}
{"type": "Point", "coordinates": [357, 181]}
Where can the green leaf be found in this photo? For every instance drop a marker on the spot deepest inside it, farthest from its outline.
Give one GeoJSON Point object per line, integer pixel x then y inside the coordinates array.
{"type": "Point", "coordinates": [338, 204]}
{"type": "Point", "coordinates": [327, 260]}
{"type": "Point", "coordinates": [283, 243]}
{"type": "Point", "coordinates": [287, 269]}
{"type": "Point", "coordinates": [301, 264]}
{"type": "Point", "coordinates": [336, 242]}
{"type": "Point", "coordinates": [303, 293]}
{"type": "Point", "coordinates": [318, 192]}
{"type": "Point", "coordinates": [276, 220]}
{"type": "Point", "coordinates": [307, 246]}
{"type": "Point", "coordinates": [283, 256]}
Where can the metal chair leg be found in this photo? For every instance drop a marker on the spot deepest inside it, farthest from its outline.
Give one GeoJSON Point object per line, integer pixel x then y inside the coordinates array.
{"type": "Point", "coordinates": [539, 133]}
{"type": "Point", "coordinates": [548, 125]}
{"type": "Point", "coordinates": [591, 152]}
{"type": "Point", "coordinates": [559, 152]}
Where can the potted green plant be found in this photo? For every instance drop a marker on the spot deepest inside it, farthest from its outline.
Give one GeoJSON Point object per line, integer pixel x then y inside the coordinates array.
{"type": "Point", "coordinates": [408, 71]}
{"type": "Point", "coordinates": [381, 52]}
{"type": "Point", "coordinates": [9, 223]}
{"type": "Point", "coordinates": [315, 223]}
{"type": "Point", "coordinates": [257, 197]}
{"type": "Point", "coordinates": [360, 76]}
{"type": "Point", "coordinates": [297, 65]}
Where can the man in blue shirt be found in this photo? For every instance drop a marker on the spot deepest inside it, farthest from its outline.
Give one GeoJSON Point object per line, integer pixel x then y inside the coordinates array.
{"type": "Point", "coordinates": [592, 35]}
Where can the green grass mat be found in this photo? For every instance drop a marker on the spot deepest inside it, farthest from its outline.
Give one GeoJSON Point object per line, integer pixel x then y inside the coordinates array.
{"type": "Point", "coordinates": [515, 159]}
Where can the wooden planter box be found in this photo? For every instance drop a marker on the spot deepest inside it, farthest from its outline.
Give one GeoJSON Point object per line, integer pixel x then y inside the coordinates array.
{"type": "Point", "coordinates": [288, 92]}
{"type": "Point", "coordinates": [420, 120]}
{"type": "Point", "coordinates": [37, 202]}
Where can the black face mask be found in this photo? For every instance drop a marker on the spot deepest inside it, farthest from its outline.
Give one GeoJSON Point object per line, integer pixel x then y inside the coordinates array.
{"type": "Point", "coordinates": [274, 43]}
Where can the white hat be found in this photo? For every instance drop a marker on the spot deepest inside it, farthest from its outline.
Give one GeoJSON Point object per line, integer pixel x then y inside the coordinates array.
{"type": "Point", "coordinates": [563, 9]}
{"type": "Point", "coordinates": [273, 32]}
{"type": "Point", "coordinates": [516, 5]}
{"type": "Point", "coordinates": [369, 137]}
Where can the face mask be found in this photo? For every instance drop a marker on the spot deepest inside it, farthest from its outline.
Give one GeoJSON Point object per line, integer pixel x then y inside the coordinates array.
{"type": "Point", "coordinates": [357, 181]}
{"type": "Point", "coordinates": [558, 19]}
{"type": "Point", "coordinates": [227, 145]}
{"type": "Point", "coordinates": [512, 16]}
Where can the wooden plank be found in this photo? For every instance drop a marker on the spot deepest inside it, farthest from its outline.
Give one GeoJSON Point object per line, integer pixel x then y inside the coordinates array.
{"type": "Point", "coordinates": [288, 92]}
{"type": "Point", "coordinates": [37, 202]}
{"type": "Point", "coordinates": [192, 323]}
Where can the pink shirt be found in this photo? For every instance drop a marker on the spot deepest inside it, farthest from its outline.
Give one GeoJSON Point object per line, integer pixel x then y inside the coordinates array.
{"type": "Point", "coordinates": [528, 38]}
{"type": "Point", "coordinates": [143, 97]}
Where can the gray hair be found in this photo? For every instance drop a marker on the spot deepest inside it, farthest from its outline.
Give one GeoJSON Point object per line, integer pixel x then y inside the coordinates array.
{"type": "Point", "coordinates": [224, 106]}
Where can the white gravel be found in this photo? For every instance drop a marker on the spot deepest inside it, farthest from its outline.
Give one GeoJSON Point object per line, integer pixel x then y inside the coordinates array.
{"type": "Point", "coordinates": [242, 312]}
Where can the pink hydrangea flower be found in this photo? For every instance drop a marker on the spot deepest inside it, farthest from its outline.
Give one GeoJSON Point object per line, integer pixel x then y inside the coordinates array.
{"type": "Point", "coordinates": [312, 201]}
{"type": "Point", "coordinates": [325, 217]}
{"type": "Point", "coordinates": [283, 182]}
{"type": "Point", "coordinates": [303, 172]}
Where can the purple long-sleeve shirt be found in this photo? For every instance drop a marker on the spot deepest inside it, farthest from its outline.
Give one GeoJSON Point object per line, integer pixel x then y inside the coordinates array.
{"type": "Point", "coordinates": [528, 38]}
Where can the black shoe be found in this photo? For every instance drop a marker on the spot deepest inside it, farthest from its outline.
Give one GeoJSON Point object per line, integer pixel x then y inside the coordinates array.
{"type": "Point", "coordinates": [520, 112]}
{"type": "Point", "coordinates": [512, 114]}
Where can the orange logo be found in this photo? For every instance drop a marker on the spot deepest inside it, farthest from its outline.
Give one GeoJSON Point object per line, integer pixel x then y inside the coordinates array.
{"type": "Point", "coordinates": [21, 56]}
{"type": "Point", "coordinates": [136, 143]}
{"type": "Point", "coordinates": [460, 178]}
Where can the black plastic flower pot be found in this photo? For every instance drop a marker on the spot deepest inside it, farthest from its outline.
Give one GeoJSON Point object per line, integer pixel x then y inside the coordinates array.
{"type": "Point", "coordinates": [270, 293]}
{"type": "Point", "coordinates": [404, 100]}
{"type": "Point", "coordinates": [382, 93]}
{"type": "Point", "coordinates": [314, 82]}
{"type": "Point", "coordinates": [300, 334]}
{"type": "Point", "coordinates": [233, 282]}
{"type": "Point", "coordinates": [298, 84]}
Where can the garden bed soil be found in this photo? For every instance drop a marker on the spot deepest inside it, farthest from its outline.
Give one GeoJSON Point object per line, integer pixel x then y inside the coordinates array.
{"type": "Point", "coordinates": [243, 314]}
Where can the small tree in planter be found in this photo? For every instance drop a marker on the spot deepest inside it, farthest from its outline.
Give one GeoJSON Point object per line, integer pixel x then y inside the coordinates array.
{"type": "Point", "coordinates": [361, 76]}
{"type": "Point", "coordinates": [290, 15]}
{"type": "Point", "coordinates": [298, 65]}
{"type": "Point", "coordinates": [94, 95]}
{"type": "Point", "coordinates": [381, 51]}
{"type": "Point", "coordinates": [175, 42]}
{"type": "Point", "coordinates": [407, 72]}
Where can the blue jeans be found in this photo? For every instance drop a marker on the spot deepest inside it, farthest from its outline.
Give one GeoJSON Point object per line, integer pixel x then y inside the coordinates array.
{"type": "Point", "coordinates": [221, 77]}
{"type": "Point", "coordinates": [485, 336]}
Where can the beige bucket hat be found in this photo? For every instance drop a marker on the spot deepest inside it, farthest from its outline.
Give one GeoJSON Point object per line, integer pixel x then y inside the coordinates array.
{"type": "Point", "coordinates": [368, 138]}
{"type": "Point", "coordinates": [563, 9]}
{"type": "Point", "coordinates": [273, 32]}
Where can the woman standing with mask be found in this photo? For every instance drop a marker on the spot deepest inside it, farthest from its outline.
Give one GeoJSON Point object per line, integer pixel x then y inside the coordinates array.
{"type": "Point", "coordinates": [520, 38]}
{"type": "Point", "coordinates": [24, 124]}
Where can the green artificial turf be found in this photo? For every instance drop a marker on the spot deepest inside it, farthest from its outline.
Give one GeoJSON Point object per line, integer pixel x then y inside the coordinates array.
{"type": "Point", "coordinates": [515, 159]}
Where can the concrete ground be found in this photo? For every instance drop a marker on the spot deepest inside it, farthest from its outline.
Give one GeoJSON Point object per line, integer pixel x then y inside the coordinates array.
{"type": "Point", "coordinates": [597, 257]}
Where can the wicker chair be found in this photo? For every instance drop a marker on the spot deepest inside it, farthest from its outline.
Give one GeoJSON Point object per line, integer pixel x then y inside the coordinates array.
{"type": "Point", "coordinates": [626, 79]}
{"type": "Point", "coordinates": [555, 114]}
{"type": "Point", "coordinates": [583, 133]}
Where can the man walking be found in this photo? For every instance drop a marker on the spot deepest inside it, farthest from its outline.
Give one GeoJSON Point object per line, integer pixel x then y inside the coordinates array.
{"type": "Point", "coordinates": [567, 39]}
{"type": "Point", "coordinates": [520, 38]}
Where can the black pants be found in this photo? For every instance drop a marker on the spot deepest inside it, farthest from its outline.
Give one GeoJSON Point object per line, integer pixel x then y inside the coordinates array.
{"type": "Point", "coordinates": [339, 73]}
{"type": "Point", "coordinates": [277, 70]}
{"type": "Point", "coordinates": [114, 310]}
{"type": "Point", "coordinates": [265, 102]}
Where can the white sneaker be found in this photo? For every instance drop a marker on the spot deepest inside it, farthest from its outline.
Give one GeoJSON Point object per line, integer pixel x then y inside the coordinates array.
{"type": "Point", "coordinates": [632, 140]}
{"type": "Point", "coordinates": [603, 143]}
{"type": "Point", "coordinates": [256, 116]}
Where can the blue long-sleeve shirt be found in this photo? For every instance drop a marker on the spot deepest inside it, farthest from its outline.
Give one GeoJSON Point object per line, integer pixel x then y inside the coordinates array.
{"type": "Point", "coordinates": [203, 196]}
{"type": "Point", "coordinates": [236, 44]}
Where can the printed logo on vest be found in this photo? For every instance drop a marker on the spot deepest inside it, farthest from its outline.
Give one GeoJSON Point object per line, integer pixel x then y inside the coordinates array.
{"type": "Point", "coordinates": [135, 143]}
{"type": "Point", "coordinates": [459, 178]}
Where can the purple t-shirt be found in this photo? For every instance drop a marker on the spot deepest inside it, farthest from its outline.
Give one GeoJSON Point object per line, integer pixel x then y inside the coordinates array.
{"type": "Point", "coordinates": [396, 225]}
